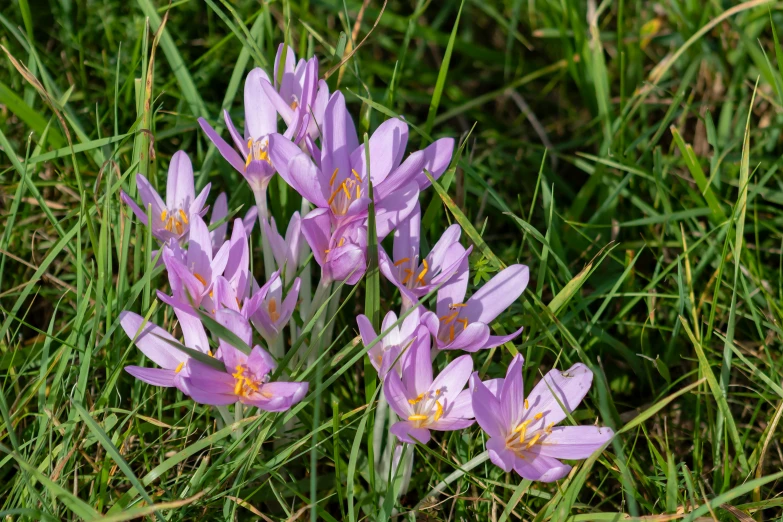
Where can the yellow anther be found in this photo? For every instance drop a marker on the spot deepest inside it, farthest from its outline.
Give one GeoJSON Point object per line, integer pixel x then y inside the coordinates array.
{"type": "Point", "coordinates": [252, 385]}
{"type": "Point", "coordinates": [211, 294]}
{"type": "Point", "coordinates": [239, 304]}
{"type": "Point", "coordinates": [238, 386]}
{"type": "Point", "coordinates": [183, 216]}
{"type": "Point", "coordinates": [294, 105]}
{"type": "Point", "coordinates": [402, 261]}
{"type": "Point", "coordinates": [417, 418]}
{"type": "Point", "coordinates": [438, 411]}
{"type": "Point", "coordinates": [168, 225]}
{"type": "Point", "coordinates": [356, 175]}
{"type": "Point", "coordinates": [449, 318]}
{"type": "Point", "coordinates": [179, 367]}
{"type": "Point", "coordinates": [163, 215]}
{"type": "Point", "coordinates": [451, 333]}
{"type": "Point", "coordinates": [334, 194]}
{"type": "Point", "coordinates": [538, 415]}
{"type": "Point", "coordinates": [358, 191]}
{"type": "Point", "coordinates": [249, 159]}
{"type": "Point", "coordinates": [456, 305]}
{"type": "Point", "coordinates": [274, 315]}
{"type": "Point", "coordinates": [342, 242]}
{"type": "Point", "coordinates": [239, 371]}
{"type": "Point", "coordinates": [417, 399]}
{"type": "Point", "coordinates": [345, 189]}
{"type": "Point", "coordinates": [327, 250]}
{"type": "Point", "coordinates": [464, 322]}
{"type": "Point", "coordinates": [202, 281]}
{"type": "Point", "coordinates": [407, 278]}
{"type": "Point", "coordinates": [522, 426]}
{"type": "Point", "coordinates": [209, 352]}
{"type": "Point", "coordinates": [548, 429]}
{"type": "Point", "coordinates": [533, 440]}
{"type": "Point", "coordinates": [334, 175]}
{"type": "Point", "coordinates": [178, 226]}
{"type": "Point", "coordinates": [250, 143]}
{"type": "Point", "coordinates": [527, 404]}
{"type": "Point", "coordinates": [424, 271]}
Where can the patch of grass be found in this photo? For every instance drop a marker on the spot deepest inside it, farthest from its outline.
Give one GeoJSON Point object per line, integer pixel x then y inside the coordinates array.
{"type": "Point", "coordinates": [628, 152]}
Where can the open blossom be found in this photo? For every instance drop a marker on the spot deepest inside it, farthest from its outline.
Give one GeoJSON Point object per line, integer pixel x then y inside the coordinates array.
{"type": "Point", "coordinates": [398, 341]}
{"type": "Point", "coordinates": [416, 275]}
{"type": "Point", "coordinates": [170, 220]}
{"type": "Point", "coordinates": [338, 180]}
{"type": "Point", "coordinates": [425, 404]}
{"type": "Point", "coordinates": [219, 213]}
{"type": "Point", "coordinates": [341, 252]}
{"type": "Point", "coordinates": [461, 325]}
{"type": "Point", "coordinates": [287, 250]}
{"type": "Point", "coordinates": [246, 378]}
{"type": "Point", "coordinates": [299, 93]}
{"type": "Point", "coordinates": [522, 430]}
{"type": "Point", "coordinates": [271, 311]}
{"type": "Point", "coordinates": [155, 343]}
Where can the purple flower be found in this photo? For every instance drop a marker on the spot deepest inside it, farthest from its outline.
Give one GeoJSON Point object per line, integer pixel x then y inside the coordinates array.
{"type": "Point", "coordinates": [522, 431]}
{"type": "Point", "coordinates": [219, 212]}
{"type": "Point", "coordinates": [342, 253]}
{"type": "Point", "coordinates": [269, 310]}
{"type": "Point", "coordinates": [462, 325]}
{"type": "Point", "coordinates": [299, 92]}
{"type": "Point", "coordinates": [154, 342]}
{"type": "Point", "coordinates": [170, 220]}
{"type": "Point", "coordinates": [286, 250]}
{"type": "Point", "coordinates": [426, 404]}
{"type": "Point", "coordinates": [388, 349]}
{"type": "Point", "coordinates": [417, 275]}
{"type": "Point", "coordinates": [246, 377]}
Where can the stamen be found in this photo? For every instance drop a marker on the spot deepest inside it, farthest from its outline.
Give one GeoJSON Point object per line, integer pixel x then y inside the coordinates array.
{"type": "Point", "coordinates": [334, 194]}
{"type": "Point", "coordinates": [168, 225]}
{"type": "Point", "coordinates": [438, 411]}
{"type": "Point", "coordinates": [407, 277]}
{"type": "Point", "coordinates": [178, 226]}
{"type": "Point", "coordinates": [538, 415]}
{"type": "Point", "coordinates": [211, 294]}
{"type": "Point", "coordinates": [533, 440]}
{"type": "Point", "coordinates": [239, 305]}
{"type": "Point", "coordinates": [209, 352]}
{"type": "Point", "coordinates": [202, 281]}
{"type": "Point", "coordinates": [356, 175]}
{"type": "Point", "coordinates": [163, 215]}
{"type": "Point", "coordinates": [238, 386]}
{"type": "Point", "coordinates": [179, 367]}
{"type": "Point", "coordinates": [250, 143]}
{"type": "Point", "coordinates": [449, 318]}
{"type": "Point", "coordinates": [273, 313]}
{"type": "Point", "coordinates": [294, 105]}
{"type": "Point", "coordinates": [417, 399]}
{"type": "Point", "coordinates": [464, 322]}
{"type": "Point", "coordinates": [451, 333]}
{"type": "Point", "coordinates": [345, 189]}
{"type": "Point", "coordinates": [358, 191]}
{"type": "Point", "coordinates": [183, 216]}
{"type": "Point", "coordinates": [342, 242]}
{"type": "Point", "coordinates": [402, 261]}
{"type": "Point", "coordinates": [548, 429]}
{"type": "Point", "coordinates": [327, 250]}
{"type": "Point", "coordinates": [249, 159]}
{"type": "Point", "coordinates": [334, 175]}
{"type": "Point", "coordinates": [527, 404]}
{"type": "Point", "coordinates": [521, 426]}
{"type": "Point", "coordinates": [456, 305]}
{"type": "Point", "coordinates": [417, 418]}
{"type": "Point", "coordinates": [239, 371]}
{"type": "Point", "coordinates": [423, 271]}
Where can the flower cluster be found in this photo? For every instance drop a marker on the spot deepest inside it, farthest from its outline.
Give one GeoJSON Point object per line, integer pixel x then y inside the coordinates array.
{"type": "Point", "coordinates": [319, 155]}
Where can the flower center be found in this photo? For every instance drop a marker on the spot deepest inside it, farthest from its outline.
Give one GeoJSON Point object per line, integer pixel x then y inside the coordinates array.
{"type": "Point", "coordinates": [521, 439]}
{"type": "Point", "coordinates": [408, 268]}
{"type": "Point", "coordinates": [245, 381]}
{"type": "Point", "coordinates": [257, 150]}
{"type": "Point", "coordinates": [450, 323]}
{"type": "Point", "coordinates": [176, 220]}
{"type": "Point", "coordinates": [271, 307]}
{"type": "Point", "coordinates": [294, 102]}
{"type": "Point", "coordinates": [345, 192]}
{"type": "Point", "coordinates": [427, 408]}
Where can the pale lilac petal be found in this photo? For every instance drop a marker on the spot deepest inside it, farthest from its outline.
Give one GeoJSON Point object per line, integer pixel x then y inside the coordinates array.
{"type": "Point", "coordinates": [289, 303]}
{"type": "Point", "coordinates": [154, 376]}
{"type": "Point", "coordinates": [236, 324]}
{"type": "Point", "coordinates": [281, 152]}
{"type": "Point", "coordinates": [249, 221]}
{"type": "Point", "coordinates": [387, 146]}
{"type": "Point", "coordinates": [450, 264]}
{"type": "Point", "coordinates": [207, 385]}
{"type": "Point", "coordinates": [140, 214]}
{"type": "Point", "coordinates": [295, 391]}
{"type": "Point", "coordinates": [239, 260]}
{"type": "Point", "coordinates": [284, 76]}
{"type": "Point", "coordinates": [239, 143]}
{"type": "Point", "coordinates": [200, 248]}
{"type": "Point", "coordinates": [497, 340]}
{"type": "Point", "coordinates": [227, 151]}
{"type": "Point", "coordinates": [180, 188]}
{"type": "Point", "coordinates": [407, 236]}
{"type": "Point", "coordinates": [347, 263]}
{"type": "Point", "coordinates": [149, 196]}
{"type": "Point", "coordinates": [219, 212]}
{"type": "Point", "coordinates": [366, 330]}
{"type": "Point", "coordinates": [220, 260]}
{"type": "Point", "coordinates": [435, 159]}
{"type": "Point", "coordinates": [569, 386]}
{"type": "Point", "coordinates": [498, 294]}
{"type": "Point", "coordinates": [314, 151]}
{"type": "Point", "coordinates": [152, 341]}
{"type": "Point", "coordinates": [486, 408]}
{"type": "Point", "coordinates": [278, 101]}
{"type": "Point", "coordinates": [442, 254]}
{"type": "Point", "coordinates": [184, 285]}
{"type": "Point", "coordinates": [316, 228]}
{"type": "Point", "coordinates": [512, 395]}
{"type": "Point", "coordinates": [317, 110]}
{"type": "Point", "coordinates": [338, 137]}
{"type": "Point", "coordinates": [393, 337]}
{"type": "Point", "coordinates": [453, 292]}
{"type": "Point", "coordinates": [197, 207]}
{"type": "Point", "coordinates": [397, 396]}
{"type": "Point", "coordinates": [394, 208]}
{"type": "Point", "coordinates": [276, 241]}
{"type": "Point", "coordinates": [461, 407]}
{"type": "Point", "coordinates": [307, 180]}
{"type": "Point", "coordinates": [405, 432]}
{"type": "Point", "coordinates": [573, 442]}
{"type": "Point", "coordinates": [541, 468]}
{"type": "Point", "coordinates": [193, 331]}
{"type": "Point", "coordinates": [471, 339]}
{"type": "Point", "coordinates": [260, 115]}
{"type": "Point", "coordinates": [452, 380]}
{"type": "Point", "coordinates": [417, 372]}
{"type": "Point", "coordinates": [499, 453]}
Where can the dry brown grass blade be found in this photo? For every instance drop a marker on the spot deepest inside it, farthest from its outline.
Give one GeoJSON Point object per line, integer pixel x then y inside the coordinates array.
{"type": "Point", "coordinates": [353, 51]}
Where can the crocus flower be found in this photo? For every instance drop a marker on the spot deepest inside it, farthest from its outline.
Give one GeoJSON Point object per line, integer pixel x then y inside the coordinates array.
{"type": "Point", "coordinates": [522, 430]}
{"type": "Point", "coordinates": [219, 212]}
{"type": "Point", "coordinates": [270, 310]}
{"type": "Point", "coordinates": [299, 92]}
{"type": "Point", "coordinates": [170, 220]}
{"type": "Point", "coordinates": [425, 404]}
{"type": "Point", "coordinates": [398, 341]}
{"type": "Point", "coordinates": [342, 253]}
{"type": "Point", "coordinates": [245, 378]}
{"type": "Point", "coordinates": [155, 343]}
{"type": "Point", "coordinates": [461, 325]}
{"type": "Point", "coordinates": [286, 250]}
{"type": "Point", "coordinates": [417, 275]}
{"type": "Point", "coordinates": [338, 181]}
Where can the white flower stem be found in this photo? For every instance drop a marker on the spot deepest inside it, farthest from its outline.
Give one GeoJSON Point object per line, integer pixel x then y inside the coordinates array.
{"type": "Point", "coordinates": [263, 215]}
